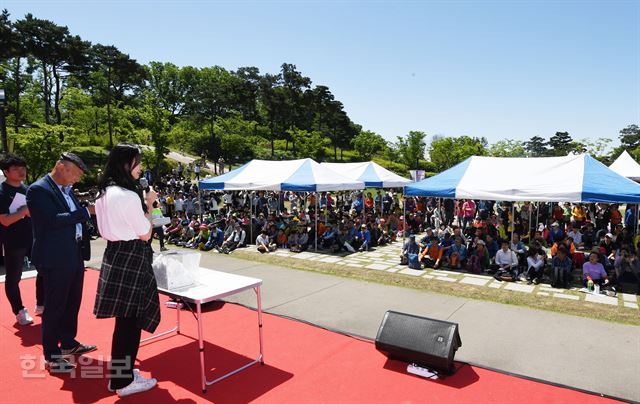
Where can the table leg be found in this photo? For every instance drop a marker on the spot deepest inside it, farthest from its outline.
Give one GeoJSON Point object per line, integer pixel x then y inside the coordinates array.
{"type": "Point", "coordinates": [178, 308]}
{"type": "Point", "coordinates": [201, 347]}
{"type": "Point", "coordinates": [259, 299]}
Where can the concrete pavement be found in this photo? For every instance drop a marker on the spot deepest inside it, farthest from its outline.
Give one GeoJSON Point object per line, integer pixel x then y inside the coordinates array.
{"type": "Point", "coordinates": [589, 354]}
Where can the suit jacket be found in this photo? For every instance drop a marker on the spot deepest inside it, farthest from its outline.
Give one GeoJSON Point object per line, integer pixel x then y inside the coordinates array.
{"type": "Point", "coordinates": [54, 227]}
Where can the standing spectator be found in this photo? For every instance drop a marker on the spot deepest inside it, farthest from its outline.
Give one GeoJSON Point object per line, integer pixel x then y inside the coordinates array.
{"type": "Point", "coordinates": [61, 244]}
{"type": "Point", "coordinates": [180, 170]}
{"type": "Point", "coordinates": [179, 204]}
{"type": "Point", "coordinates": [220, 165]}
{"type": "Point", "coordinates": [196, 170]}
{"type": "Point", "coordinates": [468, 212]}
{"type": "Point", "coordinates": [127, 287]}
{"type": "Point", "coordinates": [158, 227]}
{"type": "Point", "coordinates": [16, 233]}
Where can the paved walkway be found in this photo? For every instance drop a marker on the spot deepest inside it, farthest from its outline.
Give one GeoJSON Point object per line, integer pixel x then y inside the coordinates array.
{"type": "Point", "coordinates": [387, 259]}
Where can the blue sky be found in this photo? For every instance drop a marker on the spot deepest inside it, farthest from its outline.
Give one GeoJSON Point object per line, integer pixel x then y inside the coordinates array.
{"type": "Point", "coordinates": [498, 69]}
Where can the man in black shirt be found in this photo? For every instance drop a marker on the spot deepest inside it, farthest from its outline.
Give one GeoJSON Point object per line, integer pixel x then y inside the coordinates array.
{"type": "Point", "coordinates": [16, 230]}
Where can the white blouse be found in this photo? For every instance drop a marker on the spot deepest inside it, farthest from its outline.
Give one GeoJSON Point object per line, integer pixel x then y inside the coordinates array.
{"type": "Point", "coordinates": [120, 216]}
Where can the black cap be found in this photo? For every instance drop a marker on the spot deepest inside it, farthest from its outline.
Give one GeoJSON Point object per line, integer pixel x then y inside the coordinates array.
{"type": "Point", "coordinates": [75, 159]}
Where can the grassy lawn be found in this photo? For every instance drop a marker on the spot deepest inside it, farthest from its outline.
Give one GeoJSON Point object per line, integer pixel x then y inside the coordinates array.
{"type": "Point", "coordinates": [530, 300]}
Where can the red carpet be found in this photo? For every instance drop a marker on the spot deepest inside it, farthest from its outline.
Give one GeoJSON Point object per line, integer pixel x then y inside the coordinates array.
{"type": "Point", "coordinates": [302, 364]}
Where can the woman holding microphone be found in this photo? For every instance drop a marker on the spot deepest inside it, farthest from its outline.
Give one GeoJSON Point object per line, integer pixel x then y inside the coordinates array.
{"type": "Point", "coordinates": [127, 287]}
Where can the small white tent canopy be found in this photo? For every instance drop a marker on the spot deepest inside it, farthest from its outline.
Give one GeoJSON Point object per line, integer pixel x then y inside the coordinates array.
{"type": "Point", "coordinates": [626, 166]}
{"type": "Point", "coordinates": [372, 174]}
{"type": "Point", "coordinates": [304, 175]}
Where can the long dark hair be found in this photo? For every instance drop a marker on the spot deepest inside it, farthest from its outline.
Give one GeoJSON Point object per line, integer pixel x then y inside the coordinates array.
{"type": "Point", "coordinates": [117, 171]}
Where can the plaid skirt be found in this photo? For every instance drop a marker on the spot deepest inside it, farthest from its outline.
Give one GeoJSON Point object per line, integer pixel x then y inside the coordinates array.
{"type": "Point", "coordinates": [127, 286]}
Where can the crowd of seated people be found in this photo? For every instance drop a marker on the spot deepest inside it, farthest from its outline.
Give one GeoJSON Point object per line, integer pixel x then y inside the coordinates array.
{"type": "Point", "coordinates": [549, 239]}
{"type": "Point", "coordinates": [566, 238]}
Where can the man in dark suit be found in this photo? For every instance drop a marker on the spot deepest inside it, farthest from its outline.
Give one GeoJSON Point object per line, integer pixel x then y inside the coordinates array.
{"type": "Point", "coordinates": [60, 246]}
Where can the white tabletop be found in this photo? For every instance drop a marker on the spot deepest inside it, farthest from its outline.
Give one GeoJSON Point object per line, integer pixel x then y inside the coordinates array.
{"type": "Point", "coordinates": [212, 285]}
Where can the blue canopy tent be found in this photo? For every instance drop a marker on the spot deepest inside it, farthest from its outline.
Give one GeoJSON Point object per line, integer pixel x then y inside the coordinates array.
{"type": "Point", "coordinates": [573, 178]}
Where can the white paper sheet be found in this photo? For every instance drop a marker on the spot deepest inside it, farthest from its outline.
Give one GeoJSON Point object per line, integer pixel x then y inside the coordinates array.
{"type": "Point", "coordinates": [18, 201]}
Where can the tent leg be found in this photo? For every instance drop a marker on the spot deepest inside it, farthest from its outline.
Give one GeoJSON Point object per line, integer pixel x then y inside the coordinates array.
{"type": "Point", "coordinates": [200, 201]}
{"type": "Point", "coordinates": [513, 220]}
{"type": "Point", "coordinates": [251, 221]}
{"type": "Point", "coordinates": [529, 224]}
{"type": "Point", "coordinates": [316, 215]}
{"type": "Point", "coordinates": [537, 214]}
{"type": "Point", "coordinates": [404, 216]}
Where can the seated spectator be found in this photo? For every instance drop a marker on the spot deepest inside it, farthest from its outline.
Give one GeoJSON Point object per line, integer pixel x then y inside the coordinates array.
{"type": "Point", "coordinates": [576, 236]}
{"type": "Point", "coordinates": [478, 261]}
{"type": "Point", "coordinates": [607, 252]}
{"type": "Point", "coordinates": [201, 239]}
{"type": "Point", "coordinates": [492, 247]}
{"type": "Point", "coordinates": [281, 239]}
{"type": "Point", "coordinates": [235, 240]}
{"type": "Point", "coordinates": [300, 241]}
{"type": "Point", "coordinates": [593, 270]}
{"type": "Point", "coordinates": [264, 244]}
{"type": "Point", "coordinates": [457, 254]}
{"type": "Point", "coordinates": [539, 239]}
{"type": "Point", "coordinates": [409, 247]}
{"type": "Point", "coordinates": [561, 266]}
{"type": "Point", "coordinates": [362, 239]}
{"type": "Point", "coordinates": [446, 243]}
{"type": "Point", "coordinates": [588, 236]}
{"type": "Point", "coordinates": [432, 254]}
{"type": "Point", "coordinates": [535, 265]}
{"type": "Point", "coordinates": [519, 248]}
{"type": "Point", "coordinates": [626, 261]}
{"type": "Point", "coordinates": [216, 238]}
{"type": "Point", "coordinates": [507, 262]}
{"type": "Point", "coordinates": [556, 233]}
{"type": "Point", "coordinates": [330, 237]}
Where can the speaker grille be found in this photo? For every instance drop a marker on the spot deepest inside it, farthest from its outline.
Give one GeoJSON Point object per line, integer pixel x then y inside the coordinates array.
{"type": "Point", "coordinates": [418, 339]}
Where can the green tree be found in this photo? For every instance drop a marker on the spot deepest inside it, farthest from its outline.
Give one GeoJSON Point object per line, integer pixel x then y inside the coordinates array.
{"type": "Point", "coordinates": [308, 144]}
{"type": "Point", "coordinates": [449, 151]}
{"type": "Point", "coordinates": [117, 74]}
{"type": "Point", "coordinates": [536, 146]}
{"type": "Point", "coordinates": [156, 120]}
{"type": "Point", "coordinates": [41, 147]}
{"type": "Point", "coordinates": [630, 137]}
{"type": "Point", "coordinates": [367, 144]}
{"type": "Point", "coordinates": [412, 149]}
{"type": "Point", "coordinates": [507, 148]}
{"type": "Point", "coordinates": [560, 144]}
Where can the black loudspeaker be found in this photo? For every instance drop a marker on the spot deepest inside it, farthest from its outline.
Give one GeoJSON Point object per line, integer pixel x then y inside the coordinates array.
{"type": "Point", "coordinates": [427, 342]}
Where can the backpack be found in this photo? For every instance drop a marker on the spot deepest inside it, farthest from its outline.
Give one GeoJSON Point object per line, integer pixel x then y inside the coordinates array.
{"type": "Point", "coordinates": [414, 263]}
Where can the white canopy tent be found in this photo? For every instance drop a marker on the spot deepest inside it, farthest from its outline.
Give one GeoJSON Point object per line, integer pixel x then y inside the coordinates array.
{"type": "Point", "coordinates": [372, 174]}
{"type": "Point", "coordinates": [626, 166]}
{"type": "Point", "coordinates": [305, 175]}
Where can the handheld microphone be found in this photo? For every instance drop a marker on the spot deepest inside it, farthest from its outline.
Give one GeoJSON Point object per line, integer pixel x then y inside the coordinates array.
{"type": "Point", "coordinates": [144, 183]}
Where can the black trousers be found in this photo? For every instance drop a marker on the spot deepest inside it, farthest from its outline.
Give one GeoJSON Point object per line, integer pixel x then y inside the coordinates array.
{"type": "Point", "coordinates": [160, 232]}
{"type": "Point", "coordinates": [124, 349]}
{"type": "Point", "coordinates": [13, 262]}
{"type": "Point", "coordinates": [39, 290]}
{"type": "Point", "coordinates": [63, 295]}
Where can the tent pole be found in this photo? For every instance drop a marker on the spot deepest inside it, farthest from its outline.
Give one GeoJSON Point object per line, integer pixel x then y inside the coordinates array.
{"type": "Point", "coordinates": [251, 221]}
{"type": "Point", "coordinates": [537, 214]}
{"type": "Point", "coordinates": [404, 216]}
{"type": "Point", "coordinates": [513, 220]}
{"type": "Point", "coordinates": [529, 224]}
{"type": "Point", "coordinates": [200, 201]}
{"type": "Point", "coordinates": [316, 214]}
{"type": "Point", "coordinates": [635, 225]}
